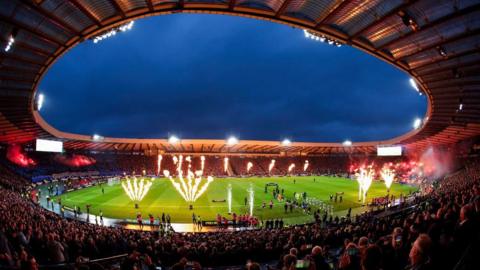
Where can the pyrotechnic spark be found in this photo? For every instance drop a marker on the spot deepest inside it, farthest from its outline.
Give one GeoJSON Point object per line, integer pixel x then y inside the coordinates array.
{"type": "Point", "coordinates": [290, 168]}
{"type": "Point", "coordinates": [229, 197]}
{"type": "Point", "coordinates": [305, 166]}
{"type": "Point", "coordinates": [202, 166]}
{"type": "Point", "coordinates": [249, 166]}
{"type": "Point", "coordinates": [270, 167]}
{"type": "Point", "coordinates": [251, 196]}
{"type": "Point", "coordinates": [137, 190]}
{"type": "Point", "coordinates": [193, 186]}
{"type": "Point", "coordinates": [159, 164]}
{"type": "Point", "coordinates": [388, 175]}
{"type": "Point", "coordinates": [225, 164]}
{"type": "Point", "coordinates": [365, 178]}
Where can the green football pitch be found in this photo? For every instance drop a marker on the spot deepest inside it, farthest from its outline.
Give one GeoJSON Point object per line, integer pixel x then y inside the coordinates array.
{"type": "Point", "coordinates": [163, 198]}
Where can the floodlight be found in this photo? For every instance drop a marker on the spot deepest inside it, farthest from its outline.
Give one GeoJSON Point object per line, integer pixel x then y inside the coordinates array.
{"type": "Point", "coordinates": [347, 143]}
{"type": "Point", "coordinates": [232, 141]}
{"type": "Point", "coordinates": [40, 100]}
{"type": "Point", "coordinates": [417, 123]}
{"type": "Point", "coordinates": [173, 139]}
{"type": "Point", "coordinates": [286, 142]}
{"type": "Point", "coordinates": [97, 137]}
{"type": "Point", "coordinates": [414, 85]}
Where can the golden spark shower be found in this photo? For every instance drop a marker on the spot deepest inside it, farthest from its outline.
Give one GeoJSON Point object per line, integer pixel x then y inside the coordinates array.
{"type": "Point", "coordinates": [136, 189]}
{"type": "Point", "coordinates": [194, 185]}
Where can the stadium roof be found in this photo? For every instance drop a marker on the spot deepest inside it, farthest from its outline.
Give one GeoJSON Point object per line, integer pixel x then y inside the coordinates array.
{"type": "Point", "coordinates": [437, 42]}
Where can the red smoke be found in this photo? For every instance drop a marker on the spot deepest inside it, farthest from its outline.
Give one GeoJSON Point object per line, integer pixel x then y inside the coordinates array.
{"type": "Point", "coordinates": [75, 160]}
{"type": "Point", "coordinates": [15, 155]}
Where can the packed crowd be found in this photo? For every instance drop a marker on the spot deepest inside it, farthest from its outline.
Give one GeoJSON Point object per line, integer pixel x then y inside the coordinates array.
{"type": "Point", "coordinates": [47, 164]}
{"type": "Point", "coordinates": [435, 233]}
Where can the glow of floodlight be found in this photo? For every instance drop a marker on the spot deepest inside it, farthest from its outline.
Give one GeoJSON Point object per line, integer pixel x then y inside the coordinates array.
{"type": "Point", "coordinates": [40, 100]}
{"type": "Point", "coordinates": [286, 142]}
{"type": "Point", "coordinates": [173, 139]}
{"type": "Point", "coordinates": [417, 122]}
{"type": "Point", "coordinates": [347, 143]}
{"type": "Point", "coordinates": [113, 32]}
{"type": "Point", "coordinates": [305, 32]}
{"type": "Point", "coordinates": [10, 42]}
{"type": "Point", "coordinates": [414, 85]}
{"type": "Point", "coordinates": [232, 141]}
{"type": "Point", "coordinates": [97, 137]}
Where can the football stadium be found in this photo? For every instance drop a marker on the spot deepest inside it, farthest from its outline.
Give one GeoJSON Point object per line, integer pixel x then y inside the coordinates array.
{"type": "Point", "coordinates": [240, 134]}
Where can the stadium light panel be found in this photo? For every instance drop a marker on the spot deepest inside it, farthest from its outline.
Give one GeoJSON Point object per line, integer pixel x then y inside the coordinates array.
{"type": "Point", "coordinates": [286, 142]}
{"type": "Point", "coordinates": [347, 143]}
{"type": "Point", "coordinates": [232, 141]}
{"type": "Point", "coordinates": [321, 38]}
{"type": "Point", "coordinates": [414, 85]}
{"type": "Point", "coordinates": [173, 139]}
{"type": "Point", "coordinates": [417, 122]}
{"type": "Point", "coordinates": [10, 42]}
{"type": "Point", "coordinates": [113, 32]}
{"type": "Point", "coordinates": [40, 100]}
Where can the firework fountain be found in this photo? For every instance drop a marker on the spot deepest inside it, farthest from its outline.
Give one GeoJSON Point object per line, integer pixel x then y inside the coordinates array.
{"type": "Point", "coordinates": [359, 180]}
{"type": "Point", "coordinates": [270, 166]}
{"type": "Point", "coordinates": [225, 164]}
{"type": "Point", "coordinates": [229, 197]}
{"type": "Point", "coordinates": [136, 189]}
{"type": "Point", "coordinates": [159, 164]}
{"type": "Point", "coordinates": [365, 178]}
{"type": "Point", "coordinates": [387, 175]}
{"type": "Point", "coordinates": [251, 197]}
{"type": "Point", "coordinates": [305, 166]}
{"type": "Point", "coordinates": [193, 186]}
{"type": "Point", "coordinates": [290, 168]}
{"type": "Point", "coordinates": [249, 166]}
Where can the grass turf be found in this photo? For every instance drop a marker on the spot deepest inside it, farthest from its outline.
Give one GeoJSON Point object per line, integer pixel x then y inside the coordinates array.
{"type": "Point", "coordinates": [163, 198]}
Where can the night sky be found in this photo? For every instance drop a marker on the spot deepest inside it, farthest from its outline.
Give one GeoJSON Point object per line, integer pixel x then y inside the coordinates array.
{"type": "Point", "coordinates": [211, 76]}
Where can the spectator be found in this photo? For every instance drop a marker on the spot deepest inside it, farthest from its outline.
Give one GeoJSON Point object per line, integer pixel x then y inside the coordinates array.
{"type": "Point", "coordinates": [420, 253]}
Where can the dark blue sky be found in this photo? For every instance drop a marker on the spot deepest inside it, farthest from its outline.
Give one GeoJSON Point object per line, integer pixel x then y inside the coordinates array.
{"type": "Point", "coordinates": [211, 76]}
